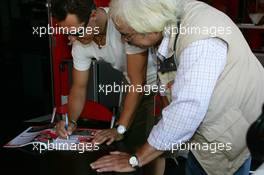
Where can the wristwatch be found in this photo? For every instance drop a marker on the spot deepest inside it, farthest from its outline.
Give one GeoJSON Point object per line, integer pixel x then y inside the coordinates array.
{"type": "Point", "coordinates": [121, 129]}
{"type": "Point", "coordinates": [73, 123]}
{"type": "Point", "coordinates": [133, 161]}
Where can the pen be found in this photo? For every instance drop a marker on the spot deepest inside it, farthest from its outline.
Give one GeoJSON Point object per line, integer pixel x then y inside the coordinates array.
{"type": "Point", "coordinates": [113, 118]}
{"type": "Point", "coordinates": [53, 115]}
{"type": "Point", "coordinates": [66, 123]}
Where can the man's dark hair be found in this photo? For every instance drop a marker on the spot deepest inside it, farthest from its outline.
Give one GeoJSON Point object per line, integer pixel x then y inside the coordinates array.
{"type": "Point", "coordinates": [81, 8]}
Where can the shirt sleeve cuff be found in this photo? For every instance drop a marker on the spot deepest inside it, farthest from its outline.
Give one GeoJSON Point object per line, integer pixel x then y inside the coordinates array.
{"type": "Point", "coordinates": [130, 49]}
{"type": "Point", "coordinates": [81, 68]}
{"type": "Point", "coordinates": [156, 139]}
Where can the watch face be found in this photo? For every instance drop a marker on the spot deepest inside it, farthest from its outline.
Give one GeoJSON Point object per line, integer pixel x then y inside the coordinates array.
{"type": "Point", "coordinates": [121, 129]}
{"type": "Point", "coordinates": [133, 161]}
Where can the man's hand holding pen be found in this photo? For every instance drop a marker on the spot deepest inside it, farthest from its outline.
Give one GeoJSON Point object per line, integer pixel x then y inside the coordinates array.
{"type": "Point", "coordinates": [64, 128]}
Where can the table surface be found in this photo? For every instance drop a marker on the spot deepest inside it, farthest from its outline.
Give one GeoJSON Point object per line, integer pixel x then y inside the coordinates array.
{"type": "Point", "coordinates": [26, 161]}
{"type": "Point", "coordinates": [72, 162]}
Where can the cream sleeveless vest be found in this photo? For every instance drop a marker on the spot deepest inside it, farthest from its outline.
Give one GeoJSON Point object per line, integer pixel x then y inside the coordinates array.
{"type": "Point", "coordinates": [238, 95]}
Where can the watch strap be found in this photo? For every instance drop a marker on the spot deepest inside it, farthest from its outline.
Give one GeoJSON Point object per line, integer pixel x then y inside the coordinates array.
{"type": "Point", "coordinates": [137, 166]}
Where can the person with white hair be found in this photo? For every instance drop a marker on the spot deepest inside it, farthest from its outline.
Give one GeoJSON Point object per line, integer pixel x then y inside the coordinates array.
{"type": "Point", "coordinates": [217, 92]}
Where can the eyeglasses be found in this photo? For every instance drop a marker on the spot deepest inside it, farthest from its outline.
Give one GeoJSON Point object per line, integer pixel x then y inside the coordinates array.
{"type": "Point", "coordinates": [129, 36]}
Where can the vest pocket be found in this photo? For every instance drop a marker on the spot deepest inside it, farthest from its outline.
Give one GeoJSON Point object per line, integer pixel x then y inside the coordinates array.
{"type": "Point", "coordinates": [232, 133]}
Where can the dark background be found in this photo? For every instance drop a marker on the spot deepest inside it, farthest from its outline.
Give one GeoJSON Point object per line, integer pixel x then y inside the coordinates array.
{"type": "Point", "coordinates": [24, 65]}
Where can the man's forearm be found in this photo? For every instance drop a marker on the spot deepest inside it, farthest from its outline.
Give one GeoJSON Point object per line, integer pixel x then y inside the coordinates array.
{"type": "Point", "coordinates": [76, 103]}
{"type": "Point", "coordinates": [131, 103]}
{"type": "Point", "coordinates": [147, 153]}
{"type": "Point", "coordinates": [136, 70]}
